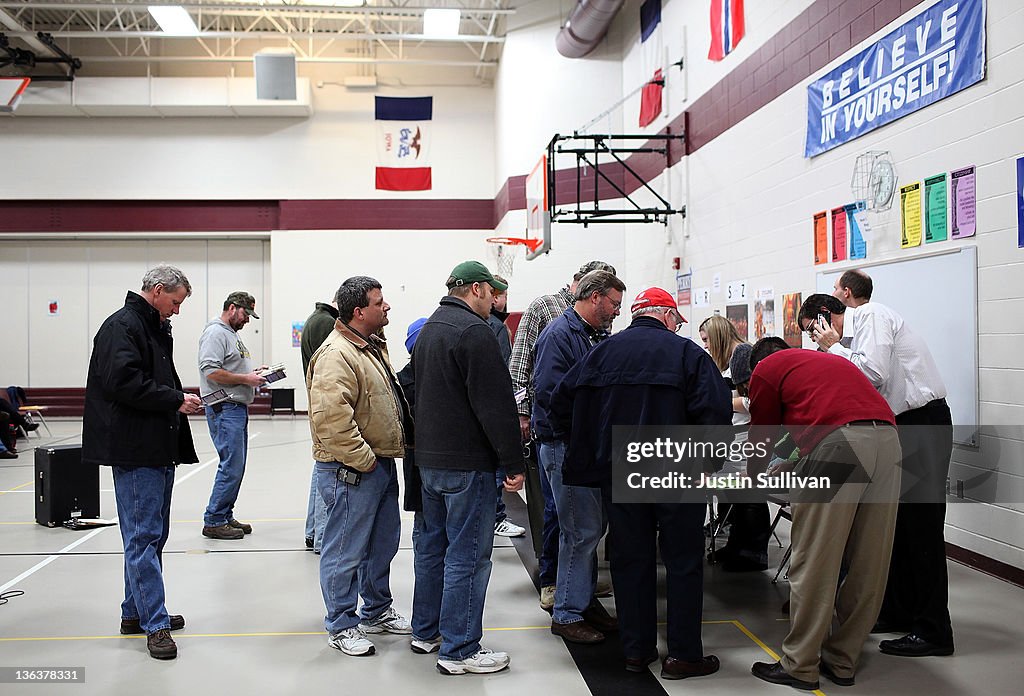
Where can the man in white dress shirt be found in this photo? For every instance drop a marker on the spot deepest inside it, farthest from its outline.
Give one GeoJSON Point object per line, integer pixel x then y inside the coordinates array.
{"type": "Point", "coordinates": [900, 366]}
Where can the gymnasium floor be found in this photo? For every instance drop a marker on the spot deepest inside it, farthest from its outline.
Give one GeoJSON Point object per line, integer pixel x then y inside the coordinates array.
{"type": "Point", "coordinates": [255, 615]}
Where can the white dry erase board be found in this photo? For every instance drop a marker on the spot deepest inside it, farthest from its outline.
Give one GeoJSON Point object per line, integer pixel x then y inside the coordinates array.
{"type": "Point", "coordinates": [937, 295]}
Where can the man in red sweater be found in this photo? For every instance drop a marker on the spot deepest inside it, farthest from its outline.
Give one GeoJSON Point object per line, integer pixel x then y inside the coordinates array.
{"type": "Point", "coordinates": [847, 435]}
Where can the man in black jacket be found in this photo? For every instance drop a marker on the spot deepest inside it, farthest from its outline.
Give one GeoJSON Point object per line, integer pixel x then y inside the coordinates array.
{"type": "Point", "coordinates": [135, 422]}
{"type": "Point", "coordinates": [645, 376]}
{"type": "Point", "coordinates": [466, 427]}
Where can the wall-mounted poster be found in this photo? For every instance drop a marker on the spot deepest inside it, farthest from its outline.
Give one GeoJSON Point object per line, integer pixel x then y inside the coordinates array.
{"type": "Point", "coordinates": [858, 247]}
{"type": "Point", "coordinates": [965, 202]}
{"type": "Point", "coordinates": [790, 326]}
{"type": "Point", "coordinates": [839, 234]}
{"type": "Point", "coordinates": [935, 208]}
{"type": "Point", "coordinates": [820, 238]}
{"type": "Point", "coordinates": [683, 282]}
{"type": "Point", "coordinates": [910, 215]}
{"type": "Point", "coordinates": [739, 316]}
{"type": "Point", "coordinates": [1020, 202]}
{"type": "Point", "coordinates": [764, 313]}
{"type": "Point", "coordinates": [297, 333]}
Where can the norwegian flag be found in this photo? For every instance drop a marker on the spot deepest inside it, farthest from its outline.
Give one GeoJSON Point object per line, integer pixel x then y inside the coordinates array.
{"type": "Point", "coordinates": [727, 27]}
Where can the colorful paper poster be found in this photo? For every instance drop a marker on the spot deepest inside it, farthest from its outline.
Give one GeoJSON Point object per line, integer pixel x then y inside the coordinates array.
{"type": "Point", "coordinates": [738, 315]}
{"type": "Point", "coordinates": [790, 326]}
{"type": "Point", "coordinates": [764, 313]}
{"type": "Point", "coordinates": [820, 238]}
{"type": "Point", "coordinates": [858, 247]}
{"type": "Point", "coordinates": [54, 308]}
{"type": "Point", "coordinates": [839, 234]}
{"type": "Point", "coordinates": [935, 208]}
{"type": "Point", "coordinates": [297, 333]}
{"type": "Point", "coordinates": [965, 202]}
{"type": "Point", "coordinates": [910, 215]}
{"type": "Point", "coordinates": [683, 282]}
{"type": "Point", "coordinates": [1020, 202]}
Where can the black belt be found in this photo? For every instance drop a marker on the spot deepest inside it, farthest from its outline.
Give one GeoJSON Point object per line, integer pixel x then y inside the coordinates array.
{"type": "Point", "coordinates": [869, 421]}
{"type": "Point", "coordinates": [218, 407]}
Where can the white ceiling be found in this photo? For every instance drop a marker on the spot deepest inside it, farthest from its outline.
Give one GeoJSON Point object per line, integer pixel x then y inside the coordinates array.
{"type": "Point", "coordinates": [382, 38]}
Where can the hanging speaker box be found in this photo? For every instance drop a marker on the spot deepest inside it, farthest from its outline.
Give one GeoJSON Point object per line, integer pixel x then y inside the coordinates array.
{"type": "Point", "coordinates": [275, 75]}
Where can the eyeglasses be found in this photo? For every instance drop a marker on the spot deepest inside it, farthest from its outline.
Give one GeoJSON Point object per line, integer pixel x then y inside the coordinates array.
{"type": "Point", "coordinates": [677, 317]}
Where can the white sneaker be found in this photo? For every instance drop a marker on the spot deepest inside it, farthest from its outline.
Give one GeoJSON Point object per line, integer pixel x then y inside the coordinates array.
{"type": "Point", "coordinates": [484, 662]}
{"type": "Point", "coordinates": [390, 621]}
{"type": "Point", "coordinates": [351, 641]}
{"type": "Point", "coordinates": [425, 647]}
{"type": "Point", "coordinates": [507, 528]}
{"type": "Point", "coordinates": [547, 597]}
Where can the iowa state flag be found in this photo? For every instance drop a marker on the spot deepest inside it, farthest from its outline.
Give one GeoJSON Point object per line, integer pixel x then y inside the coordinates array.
{"type": "Point", "coordinates": [727, 27]}
{"type": "Point", "coordinates": [403, 128]}
{"type": "Point", "coordinates": [652, 54]}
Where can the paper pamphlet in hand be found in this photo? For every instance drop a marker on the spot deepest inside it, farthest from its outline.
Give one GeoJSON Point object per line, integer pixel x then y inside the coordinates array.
{"type": "Point", "coordinates": [214, 397]}
{"type": "Point", "coordinates": [273, 373]}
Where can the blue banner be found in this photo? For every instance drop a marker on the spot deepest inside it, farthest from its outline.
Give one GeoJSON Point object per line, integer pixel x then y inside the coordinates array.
{"type": "Point", "coordinates": [933, 55]}
{"type": "Point", "coordinates": [1020, 202]}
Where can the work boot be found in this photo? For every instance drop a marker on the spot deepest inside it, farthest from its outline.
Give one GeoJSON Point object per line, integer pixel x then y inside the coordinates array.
{"type": "Point", "coordinates": [161, 645]}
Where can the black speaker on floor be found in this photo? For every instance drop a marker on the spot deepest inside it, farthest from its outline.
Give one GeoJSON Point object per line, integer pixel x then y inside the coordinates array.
{"type": "Point", "coordinates": [64, 484]}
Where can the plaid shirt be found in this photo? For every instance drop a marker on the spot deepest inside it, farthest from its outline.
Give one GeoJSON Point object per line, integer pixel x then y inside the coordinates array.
{"type": "Point", "coordinates": [539, 314]}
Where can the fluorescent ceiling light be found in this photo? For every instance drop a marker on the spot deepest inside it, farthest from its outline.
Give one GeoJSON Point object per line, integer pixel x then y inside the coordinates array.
{"type": "Point", "coordinates": [173, 19]}
{"type": "Point", "coordinates": [441, 23]}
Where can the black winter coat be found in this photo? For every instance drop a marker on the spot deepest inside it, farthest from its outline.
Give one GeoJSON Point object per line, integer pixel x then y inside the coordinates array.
{"type": "Point", "coordinates": [466, 414]}
{"type": "Point", "coordinates": [133, 393]}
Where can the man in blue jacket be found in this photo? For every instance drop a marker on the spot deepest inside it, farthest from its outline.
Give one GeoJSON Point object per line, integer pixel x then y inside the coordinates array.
{"type": "Point", "coordinates": [576, 616]}
{"type": "Point", "coordinates": [646, 375]}
{"type": "Point", "coordinates": [135, 422]}
{"type": "Point", "coordinates": [466, 427]}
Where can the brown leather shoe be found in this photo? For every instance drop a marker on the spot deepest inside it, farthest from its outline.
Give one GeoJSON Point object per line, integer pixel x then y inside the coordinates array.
{"type": "Point", "coordinates": [598, 617]}
{"type": "Point", "coordinates": [672, 668]}
{"type": "Point", "coordinates": [639, 664]}
{"type": "Point", "coordinates": [244, 526]}
{"type": "Point", "coordinates": [161, 645]}
{"type": "Point", "coordinates": [224, 531]}
{"type": "Point", "coordinates": [132, 626]}
{"type": "Point", "coordinates": [577, 632]}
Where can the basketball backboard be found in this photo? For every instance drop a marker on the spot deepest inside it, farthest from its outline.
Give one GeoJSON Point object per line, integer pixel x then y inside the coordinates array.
{"type": "Point", "coordinates": [538, 218]}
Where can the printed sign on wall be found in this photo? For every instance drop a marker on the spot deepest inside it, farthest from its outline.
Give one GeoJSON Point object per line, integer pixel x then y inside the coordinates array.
{"type": "Point", "coordinates": [964, 208]}
{"type": "Point", "coordinates": [931, 56]}
{"type": "Point", "coordinates": [935, 208]}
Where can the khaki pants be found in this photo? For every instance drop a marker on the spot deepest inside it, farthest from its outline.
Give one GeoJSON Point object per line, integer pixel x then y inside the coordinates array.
{"type": "Point", "coordinates": [855, 530]}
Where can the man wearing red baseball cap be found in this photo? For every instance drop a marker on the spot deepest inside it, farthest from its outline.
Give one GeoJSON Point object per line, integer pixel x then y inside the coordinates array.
{"type": "Point", "coordinates": [646, 375]}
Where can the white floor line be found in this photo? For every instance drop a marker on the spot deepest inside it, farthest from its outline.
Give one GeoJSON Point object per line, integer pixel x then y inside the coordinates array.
{"type": "Point", "coordinates": [75, 544]}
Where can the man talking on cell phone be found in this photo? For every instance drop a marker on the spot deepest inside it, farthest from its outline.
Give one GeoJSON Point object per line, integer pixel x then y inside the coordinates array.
{"type": "Point", "coordinates": [360, 420]}
{"type": "Point", "coordinates": [900, 366]}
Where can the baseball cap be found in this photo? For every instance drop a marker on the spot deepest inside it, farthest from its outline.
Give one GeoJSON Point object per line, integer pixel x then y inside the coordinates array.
{"type": "Point", "coordinates": [473, 272]}
{"type": "Point", "coordinates": [656, 297]}
{"type": "Point", "coordinates": [245, 301]}
{"type": "Point", "coordinates": [739, 364]}
{"type": "Point", "coordinates": [413, 333]}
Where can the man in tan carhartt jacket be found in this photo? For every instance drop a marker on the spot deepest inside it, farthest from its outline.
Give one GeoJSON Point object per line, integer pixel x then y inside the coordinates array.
{"type": "Point", "coordinates": [359, 420]}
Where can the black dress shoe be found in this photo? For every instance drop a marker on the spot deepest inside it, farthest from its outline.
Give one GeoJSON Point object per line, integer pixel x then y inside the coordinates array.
{"type": "Point", "coordinates": [912, 645]}
{"type": "Point", "coordinates": [598, 617]}
{"type": "Point", "coordinates": [774, 674]}
{"type": "Point", "coordinates": [827, 672]}
{"type": "Point", "coordinates": [639, 664]}
{"type": "Point", "coordinates": [672, 668]}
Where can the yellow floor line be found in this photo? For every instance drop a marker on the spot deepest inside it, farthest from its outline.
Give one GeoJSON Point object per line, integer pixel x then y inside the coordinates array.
{"type": "Point", "coordinates": [17, 488]}
{"type": "Point", "coordinates": [764, 647]}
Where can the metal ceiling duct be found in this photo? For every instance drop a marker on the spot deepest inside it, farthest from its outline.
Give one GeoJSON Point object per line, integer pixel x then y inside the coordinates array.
{"type": "Point", "coordinates": [586, 26]}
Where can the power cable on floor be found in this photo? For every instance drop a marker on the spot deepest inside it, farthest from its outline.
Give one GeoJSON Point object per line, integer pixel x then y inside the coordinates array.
{"type": "Point", "coordinates": [10, 594]}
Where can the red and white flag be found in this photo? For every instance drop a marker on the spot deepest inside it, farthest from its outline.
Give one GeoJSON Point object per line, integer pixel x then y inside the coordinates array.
{"type": "Point", "coordinates": [653, 55]}
{"type": "Point", "coordinates": [403, 136]}
{"type": "Point", "coordinates": [727, 27]}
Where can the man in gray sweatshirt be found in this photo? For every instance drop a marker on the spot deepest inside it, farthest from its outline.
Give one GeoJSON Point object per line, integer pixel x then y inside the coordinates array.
{"type": "Point", "coordinates": [225, 363]}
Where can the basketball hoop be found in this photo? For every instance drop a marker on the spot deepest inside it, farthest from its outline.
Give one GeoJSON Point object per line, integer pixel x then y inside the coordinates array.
{"type": "Point", "coordinates": [504, 251]}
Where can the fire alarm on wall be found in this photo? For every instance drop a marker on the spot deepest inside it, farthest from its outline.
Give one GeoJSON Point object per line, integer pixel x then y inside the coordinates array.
{"type": "Point", "coordinates": [675, 263]}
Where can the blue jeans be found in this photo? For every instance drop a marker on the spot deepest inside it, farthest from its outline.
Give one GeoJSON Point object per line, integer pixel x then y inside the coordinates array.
{"type": "Point", "coordinates": [581, 520]}
{"type": "Point", "coordinates": [229, 430]}
{"type": "Point", "coordinates": [499, 504]}
{"type": "Point", "coordinates": [453, 539]}
{"type": "Point", "coordinates": [360, 540]}
{"type": "Point", "coordinates": [144, 516]}
{"type": "Point", "coordinates": [547, 564]}
{"type": "Point", "coordinates": [316, 514]}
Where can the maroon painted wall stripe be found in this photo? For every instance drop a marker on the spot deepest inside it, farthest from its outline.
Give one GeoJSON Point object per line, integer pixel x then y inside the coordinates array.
{"type": "Point", "coordinates": [819, 35]}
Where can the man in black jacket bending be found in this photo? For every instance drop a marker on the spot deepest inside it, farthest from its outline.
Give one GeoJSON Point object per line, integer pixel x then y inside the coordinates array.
{"type": "Point", "coordinates": [135, 422]}
{"type": "Point", "coordinates": [466, 427]}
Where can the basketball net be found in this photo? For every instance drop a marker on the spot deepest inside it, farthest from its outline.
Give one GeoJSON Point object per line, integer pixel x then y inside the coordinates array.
{"type": "Point", "coordinates": [505, 250]}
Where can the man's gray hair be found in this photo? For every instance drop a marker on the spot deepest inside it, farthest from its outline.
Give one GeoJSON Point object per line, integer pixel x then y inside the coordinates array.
{"type": "Point", "coordinates": [648, 310]}
{"type": "Point", "coordinates": [593, 266]}
{"type": "Point", "coordinates": [169, 276]}
{"type": "Point", "coordinates": [601, 282]}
